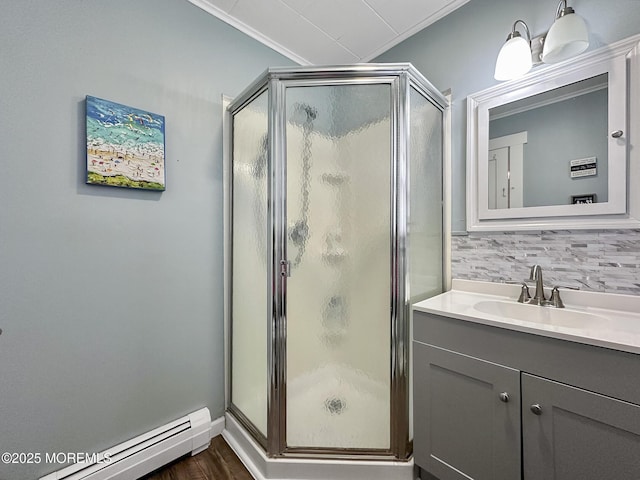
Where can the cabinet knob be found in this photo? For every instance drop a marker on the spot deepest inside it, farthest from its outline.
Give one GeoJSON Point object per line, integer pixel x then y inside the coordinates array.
{"type": "Point", "coordinates": [504, 397]}
{"type": "Point", "coordinates": [536, 409]}
{"type": "Point", "coordinates": [617, 134]}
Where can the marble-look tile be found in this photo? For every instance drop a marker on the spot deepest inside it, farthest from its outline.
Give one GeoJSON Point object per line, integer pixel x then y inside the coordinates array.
{"type": "Point", "coordinates": [602, 261]}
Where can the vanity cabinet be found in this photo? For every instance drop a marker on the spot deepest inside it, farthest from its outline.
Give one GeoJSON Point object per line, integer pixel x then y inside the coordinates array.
{"type": "Point", "coordinates": [496, 404]}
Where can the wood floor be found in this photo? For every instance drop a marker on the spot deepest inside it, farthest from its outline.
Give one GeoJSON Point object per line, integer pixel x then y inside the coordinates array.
{"type": "Point", "coordinates": [218, 462]}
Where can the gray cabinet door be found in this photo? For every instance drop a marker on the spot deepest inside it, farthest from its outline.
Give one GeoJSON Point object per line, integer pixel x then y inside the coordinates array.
{"type": "Point", "coordinates": [578, 434]}
{"type": "Point", "coordinates": [463, 428]}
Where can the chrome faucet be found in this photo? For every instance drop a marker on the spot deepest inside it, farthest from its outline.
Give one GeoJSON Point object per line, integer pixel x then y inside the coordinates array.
{"type": "Point", "coordinates": [538, 297]}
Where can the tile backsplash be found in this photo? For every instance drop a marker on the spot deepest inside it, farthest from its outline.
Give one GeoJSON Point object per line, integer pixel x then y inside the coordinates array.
{"type": "Point", "coordinates": [601, 261]}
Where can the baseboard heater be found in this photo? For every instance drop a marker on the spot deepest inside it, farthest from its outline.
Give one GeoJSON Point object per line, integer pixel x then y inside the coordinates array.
{"type": "Point", "coordinates": [137, 457]}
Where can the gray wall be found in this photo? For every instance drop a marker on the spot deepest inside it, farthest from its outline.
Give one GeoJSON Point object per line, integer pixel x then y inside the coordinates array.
{"type": "Point", "coordinates": [110, 299]}
{"type": "Point", "coordinates": [460, 50]}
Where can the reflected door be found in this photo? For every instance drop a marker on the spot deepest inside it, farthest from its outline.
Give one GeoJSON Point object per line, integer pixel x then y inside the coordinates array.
{"type": "Point", "coordinates": [506, 166]}
{"type": "Point", "coordinates": [499, 178]}
{"type": "Point", "coordinates": [338, 244]}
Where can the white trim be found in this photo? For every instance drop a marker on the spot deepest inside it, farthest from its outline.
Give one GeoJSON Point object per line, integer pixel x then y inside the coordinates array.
{"type": "Point", "coordinates": [217, 427]}
{"type": "Point", "coordinates": [519, 138]}
{"type": "Point", "coordinates": [250, 31]}
{"type": "Point", "coordinates": [550, 101]}
{"type": "Point", "coordinates": [245, 448]}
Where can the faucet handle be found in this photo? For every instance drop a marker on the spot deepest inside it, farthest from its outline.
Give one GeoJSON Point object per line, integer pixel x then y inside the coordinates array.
{"type": "Point", "coordinates": [555, 299]}
{"type": "Point", "coordinates": [525, 296]}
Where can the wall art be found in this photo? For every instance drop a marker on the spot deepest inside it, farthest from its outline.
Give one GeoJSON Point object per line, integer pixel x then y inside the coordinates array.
{"type": "Point", "coordinates": [125, 146]}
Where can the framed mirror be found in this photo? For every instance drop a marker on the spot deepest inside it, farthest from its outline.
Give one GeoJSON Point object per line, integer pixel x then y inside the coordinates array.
{"type": "Point", "coordinates": [552, 150]}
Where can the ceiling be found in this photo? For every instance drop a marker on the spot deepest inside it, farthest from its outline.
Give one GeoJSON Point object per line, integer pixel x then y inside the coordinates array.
{"type": "Point", "coordinates": [325, 32]}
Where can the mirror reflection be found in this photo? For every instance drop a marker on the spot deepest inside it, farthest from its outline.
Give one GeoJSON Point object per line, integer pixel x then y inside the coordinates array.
{"type": "Point", "coordinates": [550, 148]}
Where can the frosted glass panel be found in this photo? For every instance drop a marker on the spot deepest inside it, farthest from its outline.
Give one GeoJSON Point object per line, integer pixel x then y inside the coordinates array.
{"type": "Point", "coordinates": [249, 263]}
{"type": "Point", "coordinates": [425, 224]}
{"type": "Point", "coordinates": [425, 198]}
{"type": "Point", "coordinates": [338, 146]}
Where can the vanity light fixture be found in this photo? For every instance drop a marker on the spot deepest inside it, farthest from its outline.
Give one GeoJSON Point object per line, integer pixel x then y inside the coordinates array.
{"type": "Point", "coordinates": [567, 37]}
{"type": "Point", "coordinates": [514, 59]}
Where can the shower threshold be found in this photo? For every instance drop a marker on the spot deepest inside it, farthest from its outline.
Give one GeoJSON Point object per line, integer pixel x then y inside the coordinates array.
{"type": "Point", "coordinates": [265, 468]}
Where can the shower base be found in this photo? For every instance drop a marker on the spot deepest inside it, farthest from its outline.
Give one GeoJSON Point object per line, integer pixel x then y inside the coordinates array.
{"type": "Point", "coordinates": [264, 468]}
{"type": "Point", "coordinates": [337, 406]}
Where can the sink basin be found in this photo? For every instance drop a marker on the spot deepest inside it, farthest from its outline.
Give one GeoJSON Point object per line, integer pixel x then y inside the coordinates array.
{"type": "Point", "coordinates": [560, 317]}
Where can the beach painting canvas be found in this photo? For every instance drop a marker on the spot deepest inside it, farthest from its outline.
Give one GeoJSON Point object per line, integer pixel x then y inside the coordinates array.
{"type": "Point", "coordinates": [125, 146]}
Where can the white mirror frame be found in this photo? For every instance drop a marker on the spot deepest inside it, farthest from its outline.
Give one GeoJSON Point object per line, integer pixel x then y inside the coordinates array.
{"type": "Point", "coordinates": [621, 61]}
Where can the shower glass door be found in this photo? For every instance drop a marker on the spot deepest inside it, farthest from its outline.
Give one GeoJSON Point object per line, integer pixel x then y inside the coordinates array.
{"type": "Point", "coordinates": [338, 244]}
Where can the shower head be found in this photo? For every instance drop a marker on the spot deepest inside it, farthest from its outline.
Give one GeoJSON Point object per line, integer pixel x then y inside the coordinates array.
{"type": "Point", "coordinates": [309, 112]}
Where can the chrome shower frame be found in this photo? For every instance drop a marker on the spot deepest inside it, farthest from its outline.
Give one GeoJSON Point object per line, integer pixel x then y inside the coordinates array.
{"type": "Point", "coordinates": [401, 77]}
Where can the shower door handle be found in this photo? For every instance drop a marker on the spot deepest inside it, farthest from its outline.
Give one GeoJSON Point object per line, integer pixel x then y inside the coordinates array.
{"type": "Point", "coordinates": [285, 268]}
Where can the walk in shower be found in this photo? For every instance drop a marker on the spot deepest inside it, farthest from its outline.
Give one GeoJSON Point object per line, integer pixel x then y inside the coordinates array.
{"type": "Point", "coordinates": [335, 207]}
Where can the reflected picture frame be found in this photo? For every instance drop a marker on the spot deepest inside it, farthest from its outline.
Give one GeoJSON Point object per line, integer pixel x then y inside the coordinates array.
{"type": "Point", "coordinates": [584, 199]}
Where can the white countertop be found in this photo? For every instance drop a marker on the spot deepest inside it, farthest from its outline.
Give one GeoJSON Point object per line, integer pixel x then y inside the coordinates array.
{"type": "Point", "coordinates": [616, 324]}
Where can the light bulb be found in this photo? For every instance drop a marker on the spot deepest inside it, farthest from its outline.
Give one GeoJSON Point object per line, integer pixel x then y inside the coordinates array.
{"type": "Point", "coordinates": [514, 59]}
